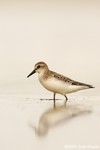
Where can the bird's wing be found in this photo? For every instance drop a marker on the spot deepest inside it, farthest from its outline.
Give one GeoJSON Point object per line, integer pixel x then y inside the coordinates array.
{"type": "Point", "coordinates": [68, 80]}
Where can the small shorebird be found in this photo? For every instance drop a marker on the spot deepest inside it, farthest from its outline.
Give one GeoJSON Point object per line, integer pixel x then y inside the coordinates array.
{"type": "Point", "coordinates": [55, 82]}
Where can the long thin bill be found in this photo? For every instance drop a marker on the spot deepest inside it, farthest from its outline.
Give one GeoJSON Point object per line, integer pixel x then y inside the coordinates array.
{"type": "Point", "coordinates": [31, 73]}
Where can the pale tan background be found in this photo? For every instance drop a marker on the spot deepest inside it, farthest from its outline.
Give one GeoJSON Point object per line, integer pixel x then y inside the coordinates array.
{"type": "Point", "coordinates": [65, 34]}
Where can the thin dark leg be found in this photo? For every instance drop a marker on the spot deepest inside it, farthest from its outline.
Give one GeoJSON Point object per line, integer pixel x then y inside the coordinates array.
{"type": "Point", "coordinates": [54, 98]}
{"type": "Point", "coordinates": [66, 98]}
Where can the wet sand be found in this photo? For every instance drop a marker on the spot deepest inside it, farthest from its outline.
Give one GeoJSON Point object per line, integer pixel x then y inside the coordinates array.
{"type": "Point", "coordinates": [28, 123]}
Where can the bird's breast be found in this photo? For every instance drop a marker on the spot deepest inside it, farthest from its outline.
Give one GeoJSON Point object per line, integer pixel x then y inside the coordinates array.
{"type": "Point", "coordinates": [53, 85]}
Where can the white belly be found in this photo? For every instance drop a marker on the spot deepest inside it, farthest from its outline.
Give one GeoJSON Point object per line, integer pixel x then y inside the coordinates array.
{"type": "Point", "coordinates": [61, 87]}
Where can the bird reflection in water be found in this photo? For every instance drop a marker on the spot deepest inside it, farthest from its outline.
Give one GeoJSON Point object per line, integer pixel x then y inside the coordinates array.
{"type": "Point", "coordinates": [56, 115]}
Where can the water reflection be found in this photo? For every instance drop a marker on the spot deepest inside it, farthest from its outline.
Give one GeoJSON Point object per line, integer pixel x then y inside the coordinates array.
{"type": "Point", "coordinates": [56, 115]}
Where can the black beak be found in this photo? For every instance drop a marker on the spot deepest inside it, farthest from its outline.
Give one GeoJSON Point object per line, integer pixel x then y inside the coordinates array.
{"type": "Point", "coordinates": [31, 73]}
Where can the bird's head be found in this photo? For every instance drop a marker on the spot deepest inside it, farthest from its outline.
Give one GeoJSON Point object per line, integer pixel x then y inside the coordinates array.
{"type": "Point", "coordinates": [39, 67]}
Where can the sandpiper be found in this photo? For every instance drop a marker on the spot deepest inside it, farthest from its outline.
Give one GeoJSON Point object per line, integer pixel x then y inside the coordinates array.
{"type": "Point", "coordinates": [55, 82]}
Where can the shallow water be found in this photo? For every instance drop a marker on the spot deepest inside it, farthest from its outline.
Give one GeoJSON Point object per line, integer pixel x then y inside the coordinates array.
{"type": "Point", "coordinates": [28, 123]}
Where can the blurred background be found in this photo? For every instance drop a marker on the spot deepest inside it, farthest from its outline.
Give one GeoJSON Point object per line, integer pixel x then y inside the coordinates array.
{"type": "Point", "coordinates": [64, 34]}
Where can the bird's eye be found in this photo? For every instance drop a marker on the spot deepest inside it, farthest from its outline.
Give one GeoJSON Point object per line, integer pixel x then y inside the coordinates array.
{"type": "Point", "coordinates": [38, 67]}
